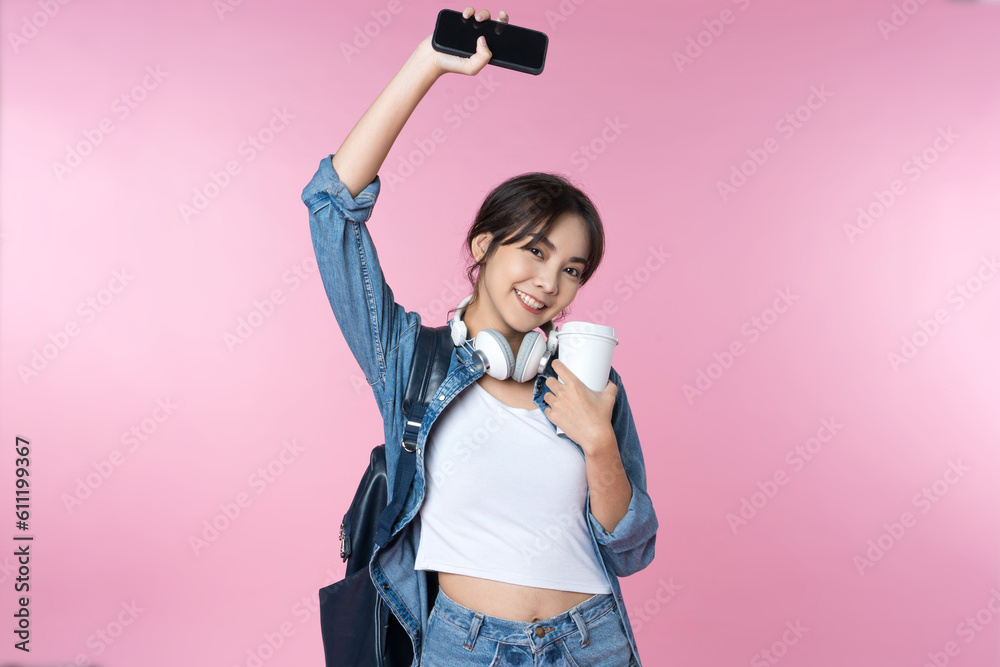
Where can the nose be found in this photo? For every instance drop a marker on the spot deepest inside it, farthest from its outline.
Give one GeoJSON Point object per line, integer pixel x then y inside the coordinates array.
{"type": "Point", "coordinates": [548, 279]}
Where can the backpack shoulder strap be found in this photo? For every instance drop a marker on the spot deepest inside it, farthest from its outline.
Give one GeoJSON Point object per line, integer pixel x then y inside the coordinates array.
{"type": "Point", "coordinates": [431, 359]}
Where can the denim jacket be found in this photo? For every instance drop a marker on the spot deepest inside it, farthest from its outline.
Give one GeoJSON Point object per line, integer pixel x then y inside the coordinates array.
{"type": "Point", "coordinates": [382, 336]}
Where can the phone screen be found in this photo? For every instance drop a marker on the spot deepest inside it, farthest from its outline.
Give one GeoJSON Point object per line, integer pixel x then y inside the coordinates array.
{"type": "Point", "coordinates": [512, 46]}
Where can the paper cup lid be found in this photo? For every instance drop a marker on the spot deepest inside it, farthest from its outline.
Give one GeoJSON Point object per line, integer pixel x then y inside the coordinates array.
{"type": "Point", "coordinates": [587, 328]}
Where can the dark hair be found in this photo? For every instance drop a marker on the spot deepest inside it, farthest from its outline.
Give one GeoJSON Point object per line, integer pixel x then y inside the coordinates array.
{"type": "Point", "coordinates": [520, 204]}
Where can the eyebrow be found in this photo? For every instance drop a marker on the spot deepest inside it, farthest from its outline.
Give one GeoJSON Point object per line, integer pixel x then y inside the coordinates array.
{"type": "Point", "coordinates": [548, 244]}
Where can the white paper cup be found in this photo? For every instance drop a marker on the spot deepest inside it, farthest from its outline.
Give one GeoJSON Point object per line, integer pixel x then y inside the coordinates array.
{"type": "Point", "coordinates": [586, 349]}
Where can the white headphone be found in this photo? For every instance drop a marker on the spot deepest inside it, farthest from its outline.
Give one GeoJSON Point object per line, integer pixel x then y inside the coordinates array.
{"type": "Point", "coordinates": [493, 352]}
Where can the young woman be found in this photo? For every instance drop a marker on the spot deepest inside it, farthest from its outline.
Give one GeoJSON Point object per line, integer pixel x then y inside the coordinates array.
{"type": "Point", "coordinates": [525, 532]}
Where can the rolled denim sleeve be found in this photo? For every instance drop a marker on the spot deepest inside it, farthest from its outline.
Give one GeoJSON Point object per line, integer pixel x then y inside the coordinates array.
{"type": "Point", "coordinates": [631, 546]}
{"type": "Point", "coordinates": [369, 317]}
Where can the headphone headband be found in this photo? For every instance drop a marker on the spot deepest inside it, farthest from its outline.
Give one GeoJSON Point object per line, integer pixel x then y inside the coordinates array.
{"type": "Point", "coordinates": [459, 332]}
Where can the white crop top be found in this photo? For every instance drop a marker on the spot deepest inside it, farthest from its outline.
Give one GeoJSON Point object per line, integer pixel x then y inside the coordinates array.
{"type": "Point", "coordinates": [506, 499]}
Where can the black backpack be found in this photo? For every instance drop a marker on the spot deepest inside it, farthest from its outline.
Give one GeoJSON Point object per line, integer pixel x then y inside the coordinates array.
{"type": "Point", "coordinates": [359, 630]}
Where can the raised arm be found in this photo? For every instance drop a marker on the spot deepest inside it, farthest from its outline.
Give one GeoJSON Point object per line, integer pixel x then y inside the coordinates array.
{"type": "Point", "coordinates": [340, 198]}
{"type": "Point", "coordinates": [359, 158]}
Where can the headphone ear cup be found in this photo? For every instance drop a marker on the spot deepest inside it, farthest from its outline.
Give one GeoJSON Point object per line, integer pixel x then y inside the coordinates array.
{"type": "Point", "coordinates": [529, 355]}
{"type": "Point", "coordinates": [498, 353]}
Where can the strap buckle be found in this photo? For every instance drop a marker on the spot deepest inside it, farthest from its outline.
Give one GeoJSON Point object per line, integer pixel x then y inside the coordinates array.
{"type": "Point", "coordinates": [410, 433]}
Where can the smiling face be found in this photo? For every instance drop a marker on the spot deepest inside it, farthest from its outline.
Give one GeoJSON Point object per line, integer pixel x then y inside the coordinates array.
{"type": "Point", "coordinates": [543, 272]}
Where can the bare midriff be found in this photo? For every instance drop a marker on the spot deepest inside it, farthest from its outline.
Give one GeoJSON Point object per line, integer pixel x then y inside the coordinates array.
{"type": "Point", "coordinates": [510, 601]}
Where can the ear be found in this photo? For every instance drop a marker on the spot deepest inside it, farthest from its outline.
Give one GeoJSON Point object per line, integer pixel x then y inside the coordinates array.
{"type": "Point", "coordinates": [479, 245]}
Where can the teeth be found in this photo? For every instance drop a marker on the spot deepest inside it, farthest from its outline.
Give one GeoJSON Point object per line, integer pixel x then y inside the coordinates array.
{"type": "Point", "coordinates": [537, 305]}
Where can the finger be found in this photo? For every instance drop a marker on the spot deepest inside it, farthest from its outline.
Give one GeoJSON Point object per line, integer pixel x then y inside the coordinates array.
{"type": "Point", "coordinates": [503, 17]}
{"type": "Point", "coordinates": [477, 61]}
{"type": "Point", "coordinates": [482, 51]}
{"type": "Point", "coordinates": [468, 11]}
{"type": "Point", "coordinates": [483, 15]}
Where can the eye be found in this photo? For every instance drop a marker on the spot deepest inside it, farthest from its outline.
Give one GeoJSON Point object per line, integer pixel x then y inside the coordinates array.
{"type": "Point", "coordinates": [575, 271]}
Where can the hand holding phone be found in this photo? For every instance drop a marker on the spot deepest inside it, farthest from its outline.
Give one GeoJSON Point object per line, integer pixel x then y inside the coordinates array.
{"type": "Point", "coordinates": [513, 47]}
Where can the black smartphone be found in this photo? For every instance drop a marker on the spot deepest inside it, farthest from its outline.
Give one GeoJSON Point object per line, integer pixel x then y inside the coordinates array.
{"type": "Point", "coordinates": [513, 47]}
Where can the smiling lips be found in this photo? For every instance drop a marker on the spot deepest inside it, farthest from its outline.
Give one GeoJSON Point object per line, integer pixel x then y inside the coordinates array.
{"type": "Point", "coordinates": [530, 302]}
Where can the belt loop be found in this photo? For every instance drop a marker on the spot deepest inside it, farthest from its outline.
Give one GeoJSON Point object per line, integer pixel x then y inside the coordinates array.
{"type": "Point", "coordinates": [584, 635]}
{"type": "Point", "coordinates": [477, 622]}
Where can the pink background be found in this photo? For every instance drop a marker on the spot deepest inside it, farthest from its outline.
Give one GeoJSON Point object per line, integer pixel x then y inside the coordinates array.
{"type": "Point", "coordinates": [718, 592]}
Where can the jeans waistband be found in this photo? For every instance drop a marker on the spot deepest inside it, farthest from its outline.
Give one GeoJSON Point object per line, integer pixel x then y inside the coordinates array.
{"type": "Point", "coordinates": [536, 635]}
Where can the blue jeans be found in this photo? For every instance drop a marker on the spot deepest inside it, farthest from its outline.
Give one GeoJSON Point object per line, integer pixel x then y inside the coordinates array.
{"type": "Point", "coordinates": [588, 635]}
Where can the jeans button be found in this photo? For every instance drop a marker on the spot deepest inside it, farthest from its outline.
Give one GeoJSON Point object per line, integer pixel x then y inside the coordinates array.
{"type": "Point", "coordinates": [539, 631]}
